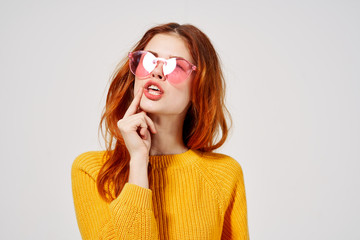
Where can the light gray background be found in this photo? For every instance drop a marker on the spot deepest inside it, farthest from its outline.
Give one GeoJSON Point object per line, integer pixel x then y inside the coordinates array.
{"type": "Point", "coordinates": [292, 78]}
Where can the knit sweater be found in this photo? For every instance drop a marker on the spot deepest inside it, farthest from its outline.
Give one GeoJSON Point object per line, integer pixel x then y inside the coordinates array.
{"type": "Point", "coordinates": [192, 195]}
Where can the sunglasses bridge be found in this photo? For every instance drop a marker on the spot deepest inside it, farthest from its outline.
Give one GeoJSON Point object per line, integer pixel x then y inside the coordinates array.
{"type": "Point", "coordinates": [163, 60]}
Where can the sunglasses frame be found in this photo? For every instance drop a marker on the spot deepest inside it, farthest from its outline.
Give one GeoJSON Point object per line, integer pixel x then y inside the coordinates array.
{"type": "Point", "coordinates": [130, 55]}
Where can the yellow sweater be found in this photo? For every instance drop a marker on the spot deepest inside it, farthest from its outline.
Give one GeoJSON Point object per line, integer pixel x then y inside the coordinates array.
{"type": "Point", "coordinates": [192, 195]}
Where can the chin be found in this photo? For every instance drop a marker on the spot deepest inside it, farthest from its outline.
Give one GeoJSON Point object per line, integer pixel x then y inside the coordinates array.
{"type": "Point", "coordinates": [150, 107]}
{"type": "Point", "coordinates": [160, 107]}
{"type": "Point", "coordinates": [159, 110]}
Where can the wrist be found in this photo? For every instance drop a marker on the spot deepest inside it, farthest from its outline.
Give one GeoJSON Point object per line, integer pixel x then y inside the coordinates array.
{"type": "Point", "coordinates": [139, 161]}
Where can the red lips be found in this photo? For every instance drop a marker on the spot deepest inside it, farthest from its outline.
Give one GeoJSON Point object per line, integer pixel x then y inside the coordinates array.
{"type": "Point", "coordinates": [151, 96]}
{"type": "Point", "coordinates": [149, 83]}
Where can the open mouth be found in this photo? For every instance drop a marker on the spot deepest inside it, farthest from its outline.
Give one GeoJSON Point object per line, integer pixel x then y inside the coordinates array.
{"type": "Point", "coordinates": [153, 91]}
{"type": "Point", "coordinates": [153, 88]}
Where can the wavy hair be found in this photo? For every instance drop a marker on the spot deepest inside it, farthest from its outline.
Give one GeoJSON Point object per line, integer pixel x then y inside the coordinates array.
{"type": "Point", "coordinates": [205, 125]}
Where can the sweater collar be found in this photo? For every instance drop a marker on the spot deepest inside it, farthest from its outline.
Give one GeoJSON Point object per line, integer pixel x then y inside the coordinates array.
{"type": "Point", "coordinates": [180, 160]}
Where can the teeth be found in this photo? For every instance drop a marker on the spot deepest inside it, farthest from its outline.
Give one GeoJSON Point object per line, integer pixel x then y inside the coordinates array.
{"type": "Point", "coordinates": [154, 92]}
{"type": "Point", "coordinates": [153, 87]}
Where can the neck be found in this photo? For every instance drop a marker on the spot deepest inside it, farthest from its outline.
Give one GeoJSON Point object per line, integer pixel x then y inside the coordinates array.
{"type": "Point", "coordinates": [168, 139]}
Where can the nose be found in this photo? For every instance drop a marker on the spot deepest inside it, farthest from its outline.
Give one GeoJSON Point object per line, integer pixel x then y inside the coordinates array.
{"type": "Point", "coordinates": [158, 71]}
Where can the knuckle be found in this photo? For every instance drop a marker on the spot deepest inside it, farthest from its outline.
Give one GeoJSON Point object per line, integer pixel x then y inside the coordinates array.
{"type": "Point", "coordinates": [119, 123]}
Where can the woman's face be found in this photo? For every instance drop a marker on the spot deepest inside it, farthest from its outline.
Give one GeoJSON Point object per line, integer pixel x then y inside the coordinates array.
{"type": "Point", "coordinates": [175, 98]}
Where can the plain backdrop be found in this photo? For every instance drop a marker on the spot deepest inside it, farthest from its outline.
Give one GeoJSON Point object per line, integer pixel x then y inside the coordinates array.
{"type": "Point", "coordinates": [292, 75]}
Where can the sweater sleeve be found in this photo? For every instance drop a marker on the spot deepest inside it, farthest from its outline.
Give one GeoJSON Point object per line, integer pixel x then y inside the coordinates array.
{"type": "Point", "coordinates": [235, 220]}
{"type": "Point", "coordinates": [129, 216]}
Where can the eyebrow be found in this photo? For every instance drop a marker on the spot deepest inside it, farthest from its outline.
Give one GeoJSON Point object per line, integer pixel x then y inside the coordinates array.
{"type": "Point", "coordinates": [157, 55]}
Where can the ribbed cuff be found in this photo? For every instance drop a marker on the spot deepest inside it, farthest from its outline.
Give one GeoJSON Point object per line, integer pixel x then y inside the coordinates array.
{"type": "Point", "coordinates": [133, 195]}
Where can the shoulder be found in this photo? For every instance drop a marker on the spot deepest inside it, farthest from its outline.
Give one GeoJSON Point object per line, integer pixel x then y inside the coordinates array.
{"type": "Point", "coordinates": [223, 172]}
{"type": "Point", "coordinates": [221, 166]}
{"type": "Point", "coordinates": [89, 162]}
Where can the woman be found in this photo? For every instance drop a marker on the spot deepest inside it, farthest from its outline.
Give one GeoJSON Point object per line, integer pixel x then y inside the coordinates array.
{"type": "Point", "coordinates": [161, 180]}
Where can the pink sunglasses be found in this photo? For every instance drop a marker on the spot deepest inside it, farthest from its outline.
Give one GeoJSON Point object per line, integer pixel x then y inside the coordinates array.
{"type": "Point", "coordinates": [175, 70]}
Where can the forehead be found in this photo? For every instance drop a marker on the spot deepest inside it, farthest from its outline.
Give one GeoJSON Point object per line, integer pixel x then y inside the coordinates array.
{"type": "Point", "coordinates": [167, 45]}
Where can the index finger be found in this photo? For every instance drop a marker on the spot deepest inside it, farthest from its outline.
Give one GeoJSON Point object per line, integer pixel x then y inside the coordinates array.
{"type": "Point", "coordinates": [134, 104]}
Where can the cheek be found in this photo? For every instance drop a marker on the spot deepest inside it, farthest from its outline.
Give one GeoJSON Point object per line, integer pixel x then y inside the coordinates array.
{"type": "Point", "coordinates": [187, 90]}
{"type": "Point", "coordinates": [182, 97]}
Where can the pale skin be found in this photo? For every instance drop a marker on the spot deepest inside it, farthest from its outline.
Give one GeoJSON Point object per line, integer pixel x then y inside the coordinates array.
{"type": "Point", "coordinates": [154, 127]}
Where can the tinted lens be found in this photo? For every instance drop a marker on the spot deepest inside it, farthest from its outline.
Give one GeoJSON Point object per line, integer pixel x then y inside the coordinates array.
{"type": "Point", "coordinates": [181, 71]}
{"type": "Point", "coordinates": [142, 63]}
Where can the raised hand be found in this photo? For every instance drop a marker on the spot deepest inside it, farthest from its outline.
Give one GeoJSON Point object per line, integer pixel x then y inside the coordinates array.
{"type": "Point", "coordinates": [134, 128]}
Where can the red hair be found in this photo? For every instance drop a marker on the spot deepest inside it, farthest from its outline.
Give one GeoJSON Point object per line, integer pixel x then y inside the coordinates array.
{"type": "Point", "coordinates": [205, 118]}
